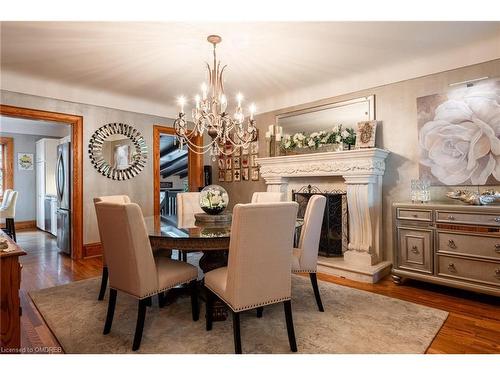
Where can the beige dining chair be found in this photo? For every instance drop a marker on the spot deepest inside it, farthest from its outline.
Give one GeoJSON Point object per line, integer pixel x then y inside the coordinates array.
{"type": "Point", "coordinates": [258, 270]}
{"type": "Point", "coordinates": [266, 197]}
{"type": "Point", "coordinates": [188, 204]}
{"type": "Point", "coordinates": [5, 198]}
{"type": "Point", "coordinates": [8, 213]}
{"type": "Point", "coordinates": [132, 267]}
{"type": "Point", "coordinates": [104, 277]}
{"type": "Point", "coordinates": [305, 257]}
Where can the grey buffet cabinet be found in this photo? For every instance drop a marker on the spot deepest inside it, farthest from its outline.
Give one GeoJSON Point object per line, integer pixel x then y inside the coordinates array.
{"type": "Point", "coordinates": [456, 245]}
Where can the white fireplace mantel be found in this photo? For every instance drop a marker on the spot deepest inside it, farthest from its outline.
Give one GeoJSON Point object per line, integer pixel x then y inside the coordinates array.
{"type": "Point", "coordinates": [362, 171]}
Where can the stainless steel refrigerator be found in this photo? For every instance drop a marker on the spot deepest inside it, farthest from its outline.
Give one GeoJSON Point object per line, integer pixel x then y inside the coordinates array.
{"type": "Point", "coordinates": [63, 188]}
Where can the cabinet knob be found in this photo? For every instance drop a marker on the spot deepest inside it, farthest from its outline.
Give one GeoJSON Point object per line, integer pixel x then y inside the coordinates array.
{"type": "Point", "coordinates": [451, 244]}
{"type": "Point", "coordinates": [497, 219]}
{"type": "Point", "coordinates": [497, 247]}
{"type": "Point", "coordinates": [414, 249]}
{"type": "Point", "coordinates": [451, 267]}
{"type": "Point", "coordinates": [497, 273]}
{"type": "Point", "coordinates": [451, 217]}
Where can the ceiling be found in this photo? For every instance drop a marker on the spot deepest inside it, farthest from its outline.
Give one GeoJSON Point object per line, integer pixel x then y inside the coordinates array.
{"type": "Point", "coordinates": [33, 127]}
{"type": "Point", "coordinates": [156, 62]}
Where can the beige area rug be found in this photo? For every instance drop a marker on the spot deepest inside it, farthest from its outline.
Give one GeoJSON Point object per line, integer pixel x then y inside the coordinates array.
{"type": "Point", "coordinates": [354, 321]}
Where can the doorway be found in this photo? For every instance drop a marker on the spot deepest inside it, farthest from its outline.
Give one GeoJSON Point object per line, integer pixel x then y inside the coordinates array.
{"type": "Point", "coordinates": [73, 179]}
{"type": "Point", "coordinates": [174, 170]}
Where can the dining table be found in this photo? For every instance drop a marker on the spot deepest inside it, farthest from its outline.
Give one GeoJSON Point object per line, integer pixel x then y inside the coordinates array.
{"type": "Point", "coordinates": [185, 233]}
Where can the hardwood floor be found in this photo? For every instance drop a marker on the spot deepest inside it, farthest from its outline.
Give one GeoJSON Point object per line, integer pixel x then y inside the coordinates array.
{"type": "Point", "coordinates": [473, 325]}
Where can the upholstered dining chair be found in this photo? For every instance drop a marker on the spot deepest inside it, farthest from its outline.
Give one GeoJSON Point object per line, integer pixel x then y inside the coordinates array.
{"type": "Point", "coordinates": [305, 257]}
{"type": "Point", "coordinates": [258, 270]}
{"type": "Point", "coordinates": [188, 204]}
{"type": "Point", "coordinates": [132, 267]}
{"type": "Point", "coordinates": [6, 194]}
{"type": "Point", "coordinates": [104, 277]}
{"type": "Point", "coordinates": [266, 197]}
{"type": "Point", "coordinates": [8, 213]}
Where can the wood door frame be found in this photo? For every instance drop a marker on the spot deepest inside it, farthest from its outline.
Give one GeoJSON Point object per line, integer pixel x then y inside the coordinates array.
{"type": "Point", "coordinates": [195, 164]}
{"type": "Point", "coordinates": [8, 159]}
{"type": "Point", "coordinates": [76, 123]}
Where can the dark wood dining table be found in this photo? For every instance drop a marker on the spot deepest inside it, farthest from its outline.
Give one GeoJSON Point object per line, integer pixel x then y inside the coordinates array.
{"type": "Point", "coordinates": [185, 233]}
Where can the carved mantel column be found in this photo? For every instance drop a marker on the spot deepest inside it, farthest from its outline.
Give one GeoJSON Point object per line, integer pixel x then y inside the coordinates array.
{"type": "Point", "coordinates": [363, 171]}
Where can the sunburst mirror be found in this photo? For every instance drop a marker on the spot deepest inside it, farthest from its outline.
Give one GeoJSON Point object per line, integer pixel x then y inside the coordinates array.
{"type": "Point", "coordinates": [118, 151]}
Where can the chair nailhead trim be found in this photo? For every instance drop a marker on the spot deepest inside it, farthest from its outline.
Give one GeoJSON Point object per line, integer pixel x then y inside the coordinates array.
{"type": "Point", "coordinates": [248, 307]}
{"type": "Point", "coordinates": [168, 287]}
{"type": "Point", "coordinates": [308, 271]}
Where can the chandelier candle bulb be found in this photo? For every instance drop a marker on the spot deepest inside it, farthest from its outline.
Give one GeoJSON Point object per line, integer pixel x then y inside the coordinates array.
{"type": "Point", "coordinates": [252, 111]}
{"type": "Point", "coordinates": [204, 90]}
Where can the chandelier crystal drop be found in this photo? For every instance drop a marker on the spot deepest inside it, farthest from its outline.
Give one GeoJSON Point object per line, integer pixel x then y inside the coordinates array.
{"type": "Point", "coordinates": [209, 116]}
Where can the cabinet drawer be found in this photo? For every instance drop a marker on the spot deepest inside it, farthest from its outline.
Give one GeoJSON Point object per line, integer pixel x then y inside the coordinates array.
{"type": "Point", "coordinates": [415, 249]}
{"type": "Point", "coordinates": [467, 218]}
{"type": "Point", "coordinates": [468, 244]}
{"type": "Point", "coordinates": [414, 214]}
{"type": "Point", "coordinates": [469, 270]}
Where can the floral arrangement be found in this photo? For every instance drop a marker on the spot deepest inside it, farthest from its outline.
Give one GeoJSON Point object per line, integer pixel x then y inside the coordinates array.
{"type": "Point", "coordinates": [337, 135]}
{"type": "Point", "coordinates": [214, 199]}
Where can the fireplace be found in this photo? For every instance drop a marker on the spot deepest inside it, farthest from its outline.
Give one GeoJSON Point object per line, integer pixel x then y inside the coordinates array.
{"type": "Point", "coordinates": [334, 231]}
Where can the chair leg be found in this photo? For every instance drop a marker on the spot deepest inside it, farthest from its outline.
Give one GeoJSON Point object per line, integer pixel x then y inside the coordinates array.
{"type": "Point", "coordinates": [141, 315]}
{"type": "Point", "coordinates": [111, 311]}
{"type": "Point", "coordinates": [236, 333]}
{"type": "Point", "coordinates": [11, 228]}
{"type": "Point", "coordinates": [314, 282]}
{"type": "Point", "coordinates": [104, 283]}
{"type": "Point", "coordinates": [289, 325]}
{"type": "Point", "coordinates": [195, 307]}
{"type": "Point", "coordinates": [209, 309]}
{"type": "Point", "coordinates": [260, 310]}
{"type": "Point", "coordinates": [161, 299]}
{"type": "Point", "coordinates": [184, 257]}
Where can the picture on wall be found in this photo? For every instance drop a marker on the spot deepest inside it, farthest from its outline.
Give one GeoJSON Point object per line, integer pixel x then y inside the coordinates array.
{"type": "Point", "coordinates": [244, 161]}
{"type": "Point", "coordinates": [24, 161]}
{"type": "Point", "coordinates": [253, 160]}
{"type": "Point", "coordinates": [255, 174]}
{"type": "Point", "coordinates": [222, 174]}
{"type": "Point", "coordinates": [237, 175]}
{"type": "Point", "coordinates": [229, 176]}
{"type": "Point", "coordinates": [459, 135]}
{"type": "Point", "coordinates": [245, 174]}
{"type": "Point", "coordinates": [236, 163]}
{"type": "Point", "coordinates": [254, 147]}
{"type": "Point", "coordinates": [229, 163]}
{"type": "Point", "coordinates": [222, 163]}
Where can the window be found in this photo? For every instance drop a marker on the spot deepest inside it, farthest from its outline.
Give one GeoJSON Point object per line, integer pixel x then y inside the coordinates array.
{"type": "Point", "coordinates": [6, 164]}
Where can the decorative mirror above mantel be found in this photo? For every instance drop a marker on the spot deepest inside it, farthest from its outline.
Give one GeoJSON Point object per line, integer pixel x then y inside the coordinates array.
{"type": "Point", "coordinates": [321, 118]}
{"type": "Point", "coordinates": [118, 151]}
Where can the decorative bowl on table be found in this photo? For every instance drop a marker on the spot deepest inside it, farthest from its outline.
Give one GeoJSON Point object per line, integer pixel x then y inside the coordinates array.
{"type": "Point", "coordinates": [214, 199]}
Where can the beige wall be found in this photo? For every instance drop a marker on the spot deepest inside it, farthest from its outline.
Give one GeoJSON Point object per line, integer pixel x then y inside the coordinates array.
{"type": "Point", "coordinates": [396, 109]}
{"type": "Point", "coordinates": [139, 188]}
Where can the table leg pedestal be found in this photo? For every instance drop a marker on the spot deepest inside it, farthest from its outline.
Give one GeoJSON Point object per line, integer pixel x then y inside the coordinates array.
{"type": "Point", "coordinates": [208, 262]}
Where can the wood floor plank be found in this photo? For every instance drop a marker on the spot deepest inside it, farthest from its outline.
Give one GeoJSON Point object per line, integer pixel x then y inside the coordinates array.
{"type": "Point", "coordinates": [473, 325]}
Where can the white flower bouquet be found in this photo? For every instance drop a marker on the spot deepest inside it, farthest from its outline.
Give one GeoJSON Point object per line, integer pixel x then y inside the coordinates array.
{"type": "Point", "coordinates": [318, 140]}
{"type": "Point", "coordinates": [214, 199]}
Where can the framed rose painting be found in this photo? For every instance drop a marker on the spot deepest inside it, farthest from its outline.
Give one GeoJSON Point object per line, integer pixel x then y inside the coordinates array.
{"type": "Point", "coordinates": [459, 135]}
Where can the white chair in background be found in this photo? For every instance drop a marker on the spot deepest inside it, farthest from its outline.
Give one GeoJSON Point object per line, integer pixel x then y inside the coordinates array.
{"type": "Point", "coordinates": [6, 194]}
{"type": "Point", "coordinates": [266, 197]}
{"type": "Point", "coordinates": [8, 213]}
{"type": "Point", "coordinates": [305, 257]}
{"type": "Point", "coordinates": [258, 269]}
{"type": "Point", "coordinates": [188, 204]}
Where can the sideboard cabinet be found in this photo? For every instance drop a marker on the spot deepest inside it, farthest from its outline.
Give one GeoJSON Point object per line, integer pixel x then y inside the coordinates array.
{"type": "Point", "coordinates": [449, 244]}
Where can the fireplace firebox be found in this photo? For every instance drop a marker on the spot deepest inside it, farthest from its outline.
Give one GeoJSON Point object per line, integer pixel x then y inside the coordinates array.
{"type": "Point", "coordinates": [334, 230]}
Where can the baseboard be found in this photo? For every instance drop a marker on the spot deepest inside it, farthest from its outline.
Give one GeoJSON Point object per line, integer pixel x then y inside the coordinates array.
{"type": "Point", "coordinates": [92, 250]}
{"type": "Point", "coordinates": [29, 224]}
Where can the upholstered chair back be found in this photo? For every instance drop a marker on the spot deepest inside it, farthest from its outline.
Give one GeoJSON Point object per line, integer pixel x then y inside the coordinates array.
{"type": "Point", "coordinates": [127, 249]}
{"type": "Point", "coordinates": [110, 199]}
{"type": "Point", "coordinates": [9, 209]}
{"type": "Point", "coordinates": [5, 199]}
{"type": "Point", "coordinates": [188, 204]}
{"type": "Point", "coordinates": [311, 232]}
{"type": "Point", "coordinates": [260, 251]}
{"type": "Point", "coordinates": [266, 197]}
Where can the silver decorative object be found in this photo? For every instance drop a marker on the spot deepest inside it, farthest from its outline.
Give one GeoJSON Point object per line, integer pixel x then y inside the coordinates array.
{"type": "Point", "coordinates": [489, 197]}
{"type": "Point", "coordinates": [138, 153]}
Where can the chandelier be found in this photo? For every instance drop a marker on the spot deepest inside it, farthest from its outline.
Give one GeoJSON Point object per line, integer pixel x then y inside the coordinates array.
{"type": "Point", "coordinates": [227, 132]}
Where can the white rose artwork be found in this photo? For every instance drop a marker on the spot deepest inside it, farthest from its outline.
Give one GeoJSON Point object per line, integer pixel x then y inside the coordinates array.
{"type": "Point", "coordinates": [459, 136]}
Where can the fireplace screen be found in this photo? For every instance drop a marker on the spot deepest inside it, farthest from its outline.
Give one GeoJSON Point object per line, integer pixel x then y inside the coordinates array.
{"type": "Point", "coordinates": [334, 231]}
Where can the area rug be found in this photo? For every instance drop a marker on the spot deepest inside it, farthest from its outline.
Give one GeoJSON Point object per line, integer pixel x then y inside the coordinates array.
{"type": "Point", "coordinates": [354, 321]}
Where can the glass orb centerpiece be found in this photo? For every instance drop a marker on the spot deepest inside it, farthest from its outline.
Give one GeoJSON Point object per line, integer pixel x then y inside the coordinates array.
{"type": "Point", "coordinates": [214, 199]}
